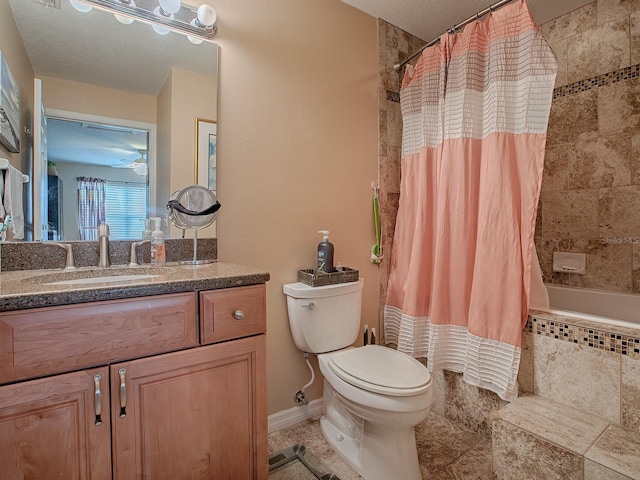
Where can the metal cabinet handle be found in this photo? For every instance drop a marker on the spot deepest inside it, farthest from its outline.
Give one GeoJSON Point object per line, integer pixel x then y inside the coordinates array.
{"type": "Point", "coordinates": [238, 314]}
{"type": "Point", "coordinates": [97, 399]}
{"type": "Point", "coordinates": [123, 393]}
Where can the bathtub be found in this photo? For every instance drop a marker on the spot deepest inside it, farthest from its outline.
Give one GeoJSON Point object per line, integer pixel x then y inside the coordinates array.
{"type": "Point", "coordinates": [612, 308]}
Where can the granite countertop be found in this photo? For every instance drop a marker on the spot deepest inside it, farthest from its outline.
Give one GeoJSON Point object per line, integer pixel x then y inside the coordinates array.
{"type": "Point", "coordinates": [34, 288]}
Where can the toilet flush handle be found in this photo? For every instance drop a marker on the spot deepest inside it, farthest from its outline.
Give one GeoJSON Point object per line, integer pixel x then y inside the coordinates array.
{"type": "Point", "coordinates": [310, 306]}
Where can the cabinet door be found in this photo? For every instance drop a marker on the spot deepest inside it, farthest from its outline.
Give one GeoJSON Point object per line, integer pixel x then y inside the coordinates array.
{"type": "Point", "coordinates": [194, 414]}
{"type": "Point", "coordinates": [50, 428]}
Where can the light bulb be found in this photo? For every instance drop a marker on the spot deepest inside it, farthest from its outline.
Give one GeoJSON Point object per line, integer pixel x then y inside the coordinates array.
{"type": "Point", "coordinates": [122, 19]}
{"type": "Point", "coordinates": [140, 168]}
{"type": "Point", "coordinates": [81, 7]}
{"type": "Point", "coordinates": [194, 40]}
{"type": "Point", "coordinates": [170, 6]}
{"type": "Point", "coordinates": [160, 29]}
{"type": "Point", "coordinates": [207, 15]}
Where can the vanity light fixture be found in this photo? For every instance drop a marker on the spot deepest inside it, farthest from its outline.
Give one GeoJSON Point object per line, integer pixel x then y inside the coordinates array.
{"type": "Point", "coordinates": [163, 15]}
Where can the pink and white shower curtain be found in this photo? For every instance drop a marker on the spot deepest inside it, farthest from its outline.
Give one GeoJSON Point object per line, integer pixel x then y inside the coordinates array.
{"type": "Point", "coordinates": [475, 110]}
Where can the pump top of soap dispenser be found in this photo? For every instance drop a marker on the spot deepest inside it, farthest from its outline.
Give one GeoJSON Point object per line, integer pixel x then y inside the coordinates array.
{"type": "Point", "coordinates": [146, 233]}
{"type": "Point", "coordinates": [325, 235]}
{"type": "Point", "coordinates": [157, 232]}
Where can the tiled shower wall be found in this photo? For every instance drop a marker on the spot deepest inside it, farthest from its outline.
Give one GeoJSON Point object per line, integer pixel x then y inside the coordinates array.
{"type": "Point", "coordinates": [394, 45]}
{"type": "Point", "coordinates": [592, 173]}
{"type": "Point", "coordinates": [590, 200]}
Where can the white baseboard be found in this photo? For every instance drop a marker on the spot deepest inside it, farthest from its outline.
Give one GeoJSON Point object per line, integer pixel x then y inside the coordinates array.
{"type": "Point", "coordinates": [291, 416]}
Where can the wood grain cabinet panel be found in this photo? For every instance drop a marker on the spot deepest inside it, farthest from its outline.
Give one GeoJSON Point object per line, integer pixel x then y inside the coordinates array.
{"type": "Point", "coordinates": [199, 413]}
{"type": "Point", "coordinates": [232, 313]}
{"type": "Point", "coordinates": [48, 428]}
{"type": "Point", "coordinates": [57, 339]}
{"type": "Point", "coordinates": [167, 411]}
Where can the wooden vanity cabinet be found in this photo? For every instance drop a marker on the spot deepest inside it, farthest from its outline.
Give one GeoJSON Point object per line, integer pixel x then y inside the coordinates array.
{"type": "Point", "coordinates": [199, 412]}
{"type": "Point", "coordinates": [193, 414]}
{"type": "Point", "coordinates": [49, 427]}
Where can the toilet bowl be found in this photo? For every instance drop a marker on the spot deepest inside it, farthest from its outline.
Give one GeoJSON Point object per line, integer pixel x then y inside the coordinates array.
{"type": "Point", "coordinates": [373, 396]}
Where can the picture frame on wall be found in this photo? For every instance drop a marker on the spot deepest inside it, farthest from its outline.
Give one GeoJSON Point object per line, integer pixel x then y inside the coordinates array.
{"type": "Point", "coordinates": [9, 108]}
{"type": "Point", "coordinates": [206, 145]}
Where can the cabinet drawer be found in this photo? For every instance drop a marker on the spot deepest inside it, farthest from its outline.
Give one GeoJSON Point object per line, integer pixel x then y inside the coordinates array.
{"type": "Point", "coordinates": [232, 313]}
{"type": "Point", "coordinates": [56, 339]}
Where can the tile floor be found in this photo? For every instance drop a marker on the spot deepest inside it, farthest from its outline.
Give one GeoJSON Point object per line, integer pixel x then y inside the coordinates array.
{"type": "Point", "coordinates": [446, 451]}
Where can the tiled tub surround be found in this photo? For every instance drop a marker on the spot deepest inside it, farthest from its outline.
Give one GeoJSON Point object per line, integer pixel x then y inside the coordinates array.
{"type": "Point", "coordinates": [579, 413]}
{"type": "Point", "coordinates": [591, 184]}
{"type": "Point", "coordinates": [591, 165]}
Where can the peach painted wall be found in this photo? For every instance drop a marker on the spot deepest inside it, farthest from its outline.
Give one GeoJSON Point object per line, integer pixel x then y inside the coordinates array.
{"type": "Point", "coordinates": [104, 102]}
{"type": "Point", "coordinates": [297, 152]}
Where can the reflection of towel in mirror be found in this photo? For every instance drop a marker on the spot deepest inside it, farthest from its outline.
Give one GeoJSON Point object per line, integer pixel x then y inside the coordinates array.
{"type": "Point", "coordinates": [2, 212]}
{"type": "Point", "coordinates": [12, 200]}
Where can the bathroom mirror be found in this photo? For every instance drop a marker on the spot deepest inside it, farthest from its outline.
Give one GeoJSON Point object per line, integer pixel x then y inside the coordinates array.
{"type": "Point", "coordinates": [73, 51]}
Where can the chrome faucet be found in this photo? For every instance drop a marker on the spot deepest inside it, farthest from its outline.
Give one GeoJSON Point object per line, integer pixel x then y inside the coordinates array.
{"type": "Point", "coordinates": [69, 262]}
{"type": "Point", "coordinates": [103, 246]}
{"type": "Point", "coordinates": [133, 260]}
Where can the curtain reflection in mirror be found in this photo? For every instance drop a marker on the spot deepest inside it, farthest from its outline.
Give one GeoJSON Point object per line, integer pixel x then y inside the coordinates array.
{"type": "Point", "coordinates": [91, 206]}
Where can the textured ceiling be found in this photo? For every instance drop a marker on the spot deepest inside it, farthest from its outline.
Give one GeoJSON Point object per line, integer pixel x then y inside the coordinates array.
{"type": "Point", "coordinates": [428, 19]}
{"type": "Point", "coordinates": [95, 48]}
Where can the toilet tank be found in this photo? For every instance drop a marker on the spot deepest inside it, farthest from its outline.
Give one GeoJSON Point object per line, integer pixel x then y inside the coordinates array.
{"type": "Point", "coordinates": [323, 319]}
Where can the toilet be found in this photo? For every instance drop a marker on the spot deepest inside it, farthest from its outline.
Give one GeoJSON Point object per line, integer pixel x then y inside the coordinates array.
{"type": "Point", "coordinates": [373, 396]}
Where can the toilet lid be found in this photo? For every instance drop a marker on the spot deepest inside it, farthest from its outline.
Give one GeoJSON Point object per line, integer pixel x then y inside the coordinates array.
{"type": "Point", "coordinates": [381, 370]}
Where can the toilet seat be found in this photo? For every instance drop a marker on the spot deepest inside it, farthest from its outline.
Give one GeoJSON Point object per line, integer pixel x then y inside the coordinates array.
{"type": "Point", "coordinates": [382, 370]}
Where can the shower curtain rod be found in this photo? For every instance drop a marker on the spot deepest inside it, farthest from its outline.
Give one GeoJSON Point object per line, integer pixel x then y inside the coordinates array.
{"type": "Point", "coordinates": [490, 8]}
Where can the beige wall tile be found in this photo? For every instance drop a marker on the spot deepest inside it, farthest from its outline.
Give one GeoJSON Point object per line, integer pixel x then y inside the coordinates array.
{"type": "Point", "coordinates": [570, 24]}
{"type": "Point", "coordinates": [560, 50]}
{"type": "Point", "coordinates": [635, 159]}
{"type": "Point", "coordinates": [600, 162]}
{"type": "Point", "coordinates": [390, 170]}
{"type": "Point", "coordinates": [394, 124]}
{"type": "Point", "coordinates": [473, 407]}
{"type": "Point", "coordinates": [634, 32]}
{"type": "Point", "coordinates": [555, 175]}
{"type": "Point", "coordinates": [525, 372]}
{"type": "Point", "coordinates": [570, 214]}
{"type": "Point", "coordinates": [600, 50]}
{"type": "Point", "coordinates": [618, 107]}
{"type": "Point", "coordinates": [439, 388]}
{"type": "Point", "coordinates": [573, 117]}
{"type": "Point", "coordinates": [518, 454]}
{"type": "Point", "coordinates": [618, 210]}
{"type": "Point", "coordinates": [631, 393]}
{"type": "Point", "coordinates": [635, 273]}
{"type": "Point", "coordinates": [567, 372]}
{"type": "Point", "coordinates": [607, 267]}
{"type": "Point", "coordinates": [608, 10]}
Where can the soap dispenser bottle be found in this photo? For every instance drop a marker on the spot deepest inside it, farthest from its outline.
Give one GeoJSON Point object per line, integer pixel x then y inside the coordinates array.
{"type": "Point", "coordinates": [158, 252]}
{"type": "Point", "coordinates": [325, 253]}
{"type": "Point", "coordinates": [146, 233]}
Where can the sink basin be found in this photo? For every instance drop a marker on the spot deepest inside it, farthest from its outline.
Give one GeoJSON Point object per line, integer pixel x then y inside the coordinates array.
{"type": "Point", "coordinates": [102, 280]}
{"type": "Point", "coordinates": [97, 276]}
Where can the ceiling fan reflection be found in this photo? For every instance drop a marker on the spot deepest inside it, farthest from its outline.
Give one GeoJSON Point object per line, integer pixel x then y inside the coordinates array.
{"type": "Point", "coordinates": [139, 165]}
